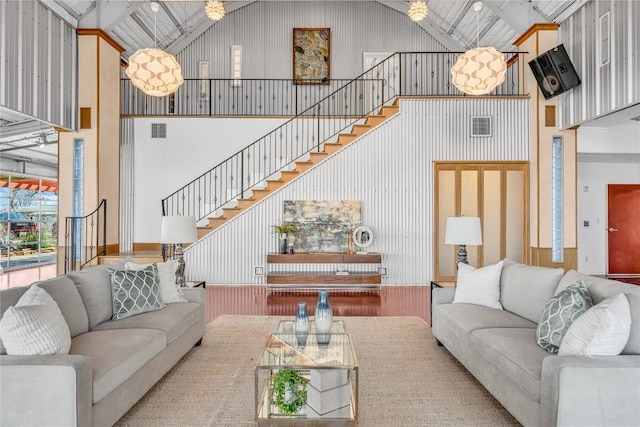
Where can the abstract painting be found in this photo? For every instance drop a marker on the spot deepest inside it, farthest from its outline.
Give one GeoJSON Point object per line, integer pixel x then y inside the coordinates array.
{"type": "Point", "coordinates": [322, 225]}
{"type": "Point", "coordinates": [311, 55]}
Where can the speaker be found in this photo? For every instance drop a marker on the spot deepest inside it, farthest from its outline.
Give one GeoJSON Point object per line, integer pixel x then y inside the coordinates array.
{"type": "Point", "coordinates": [554, 72]}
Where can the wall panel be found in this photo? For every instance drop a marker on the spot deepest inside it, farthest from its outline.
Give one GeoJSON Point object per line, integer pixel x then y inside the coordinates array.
{"type": "Point", "coordinates": [607, 87]}
{"type": "Point", "coordinates": [390, 170]}
{"type": "Point", "coordinates": [264, 30]}
{"type": "Point", "coordinates": [38, 53]}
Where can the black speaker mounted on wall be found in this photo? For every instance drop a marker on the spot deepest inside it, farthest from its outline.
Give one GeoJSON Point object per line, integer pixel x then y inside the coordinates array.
{"type": "Point", "coordinates": [554, 72]}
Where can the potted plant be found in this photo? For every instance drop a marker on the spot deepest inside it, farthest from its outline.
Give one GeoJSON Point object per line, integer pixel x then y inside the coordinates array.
{"type": "Point", "coordinates": [290, 391]}
{"type": "Point", "coordinates": [283, 230]}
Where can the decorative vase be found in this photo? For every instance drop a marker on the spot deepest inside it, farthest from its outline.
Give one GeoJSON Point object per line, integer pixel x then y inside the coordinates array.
{"type": "Point", "coordinates": [323, 318]}
{"type": "Point", "coordinates": [301, 323]}
{"type": "Point", "coordinates": [283, 243]}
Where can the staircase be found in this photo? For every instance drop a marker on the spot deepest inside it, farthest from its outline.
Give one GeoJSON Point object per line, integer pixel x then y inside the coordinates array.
{"type": "Point", "coordinates": [315, 157]}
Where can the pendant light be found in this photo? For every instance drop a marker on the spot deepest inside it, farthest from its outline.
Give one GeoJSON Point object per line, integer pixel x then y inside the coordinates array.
{"type": "Point", "coordinates": [154, 71]}
{"type": "Point", "coordinates": [479, 71]}
{"type": "Point", "coordinates": [214, 10]}
{"type": "Point", "coordinates": [417, 11]}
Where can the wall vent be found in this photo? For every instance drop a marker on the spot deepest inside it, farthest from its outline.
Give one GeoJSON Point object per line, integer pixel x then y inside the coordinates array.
{"type": "Point", "coordinates": [605, 44]}
{"type": "Point", "coordinates": [481, 126]}
{"type": "Point", "coordinates": [158, 130]}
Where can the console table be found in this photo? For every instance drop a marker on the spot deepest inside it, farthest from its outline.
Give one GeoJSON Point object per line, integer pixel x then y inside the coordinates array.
{"type": "Point", "coordinates": [365, 279]}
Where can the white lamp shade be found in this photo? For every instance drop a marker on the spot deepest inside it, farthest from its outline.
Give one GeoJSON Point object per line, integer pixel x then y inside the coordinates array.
{"type": "Point", "coordinates": [178, 229]}
{"type": "Point", "coordinates": [463, 230]}
{"type": "Point", "coordinates": [417, 11]}
{"type": "Point", "coordinates": [479, 71]}
{"type": "Point", "coordinates": [155, 72]}
{"type": "Point", "coordinates": [214, 10]}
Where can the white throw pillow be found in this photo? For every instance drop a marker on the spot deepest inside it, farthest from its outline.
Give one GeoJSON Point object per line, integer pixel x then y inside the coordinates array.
{"type": "Point", "coordinates": [479, 286]}
{"type": "Point", "coordinates": [167, 274]}
{"type": "Point", "coordinates": [603, 330]}
{"type": "Point", "coordinates": [35, 325]}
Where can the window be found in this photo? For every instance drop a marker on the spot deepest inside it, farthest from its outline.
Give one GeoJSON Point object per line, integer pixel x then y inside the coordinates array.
{"type": "Point", "coordinates": [557, 192]}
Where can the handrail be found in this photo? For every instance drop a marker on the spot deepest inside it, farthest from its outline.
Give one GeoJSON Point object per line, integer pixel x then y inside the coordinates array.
{"type": "Point", "coordinates": [400, 74]}
{"type": "Point", "coordinates": [85, 238]}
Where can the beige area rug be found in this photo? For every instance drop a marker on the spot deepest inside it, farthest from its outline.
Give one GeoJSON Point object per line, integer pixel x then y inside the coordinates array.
{"type": "Point", "coordinates": [405, 379]}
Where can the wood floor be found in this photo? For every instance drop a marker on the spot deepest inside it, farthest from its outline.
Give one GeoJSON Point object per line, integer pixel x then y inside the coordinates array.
{"type": "Point", "coordinates": [257, 300]}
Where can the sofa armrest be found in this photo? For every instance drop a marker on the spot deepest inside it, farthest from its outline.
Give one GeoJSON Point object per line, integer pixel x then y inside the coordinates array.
{"type": "Point", "coordinates": [194, 294]}
{"type": "Point", "coordinates": [443, 295]}
{"type": "Point", "coordinates": [51, 390]}
{"type": "Point", "coordinates": [578, 390]}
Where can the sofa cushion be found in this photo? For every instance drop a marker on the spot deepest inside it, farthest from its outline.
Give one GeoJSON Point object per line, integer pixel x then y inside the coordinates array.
{"type": "Point", "coordinates": [560, 313]}
{"type": "Point", "coordinates": [9, 297]}
{"type": "Point", "coordinates": [174, 319]}
{"type": "Point", "coordinates": [480, 286]}
{"type": "Point", "coordinates": [525, 290]}
{"type": "Point", "coordinates": [94, 286]}
{"type": "Point", "coordinates": [601, 289]}
{"type": "Point", "coordinates": [35, 325]}
{"type": "Point", "coordinates": [64, 292]}
{"type": "Point", "coordinates": [462, 319]}
{"type": "Point", "coordinates": [117, 354]}
{"type": "Point", "coordinates": [135, 291]}
{"type": "Point", "coordinates": [603, 330]}
{"type": "Point", "coordinates": [513, 351]}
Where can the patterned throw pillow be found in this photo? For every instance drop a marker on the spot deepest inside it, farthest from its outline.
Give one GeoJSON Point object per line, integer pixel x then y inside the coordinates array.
{"type": "Point", "coordinates": [560, 313]}
{"type": "Point", "coordinates": [135, 292]}
{"type": "Point", "coordinates": [167, 278]}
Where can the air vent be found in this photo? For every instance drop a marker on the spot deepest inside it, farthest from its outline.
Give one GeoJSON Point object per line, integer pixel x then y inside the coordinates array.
{"type": "Point", "coordinates": [158, 130]}
{"type": "Point", "coordinates": [604, 39]}
{"type": "Point", "coordinates": [481, 126]}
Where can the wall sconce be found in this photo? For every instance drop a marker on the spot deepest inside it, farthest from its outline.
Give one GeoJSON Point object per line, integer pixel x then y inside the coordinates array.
{"type": "Point", "coordinates": [236, 65]}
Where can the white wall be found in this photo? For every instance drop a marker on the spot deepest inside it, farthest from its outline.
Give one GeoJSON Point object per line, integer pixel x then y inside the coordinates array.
{"type": "Point", "coordinates": [192, 147]}
{"type": "Point", "coordinates": [605, 156]}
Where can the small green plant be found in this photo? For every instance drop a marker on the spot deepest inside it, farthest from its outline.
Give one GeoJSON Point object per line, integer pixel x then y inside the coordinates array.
{"type": "Point", "coordinates": [284, 228]}
{"type": "Point", "coordinates": [291, 380]}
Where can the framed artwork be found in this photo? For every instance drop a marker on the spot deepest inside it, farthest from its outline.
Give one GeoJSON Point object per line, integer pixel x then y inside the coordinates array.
{"type": "Point", "coordinates": [311, 56]}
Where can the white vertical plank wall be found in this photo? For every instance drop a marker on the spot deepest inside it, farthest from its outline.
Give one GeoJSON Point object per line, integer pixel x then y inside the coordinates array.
{"type": "Point", "coordinates": [127, 192]}
{"type": "Point", "coordinates": [390, 169]}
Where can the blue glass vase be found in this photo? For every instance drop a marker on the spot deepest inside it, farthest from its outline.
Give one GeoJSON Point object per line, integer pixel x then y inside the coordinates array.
{"type": "Point", "coordinates": [324, 318]}
{"type": "Point", "coordinates": [301, 323]}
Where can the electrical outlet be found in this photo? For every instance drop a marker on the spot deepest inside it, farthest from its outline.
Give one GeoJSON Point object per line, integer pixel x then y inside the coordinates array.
{"type": "Point", "coordinates": [586, 259]}
{"type": "Point", "coordinates": [585, 223]}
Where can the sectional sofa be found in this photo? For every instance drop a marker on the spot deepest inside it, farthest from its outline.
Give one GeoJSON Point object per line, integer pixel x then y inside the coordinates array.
{"type": "Point", "coordinates": [111, 363]}
{"type": "Point", "coordinates": [537, 387]}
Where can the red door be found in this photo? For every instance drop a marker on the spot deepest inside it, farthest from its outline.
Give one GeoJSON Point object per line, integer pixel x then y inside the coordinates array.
{"type": "Point", "coordinates": [624, 228]}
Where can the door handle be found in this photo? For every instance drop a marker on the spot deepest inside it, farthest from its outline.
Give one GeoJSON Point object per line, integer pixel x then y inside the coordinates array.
{"type": "Point", "coordinates": [611, 229]}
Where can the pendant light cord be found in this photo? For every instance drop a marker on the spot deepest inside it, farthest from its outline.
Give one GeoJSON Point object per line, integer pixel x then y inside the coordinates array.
{"type": "Point", "coordinates": [155, 30]}
{"type": "Point", "coordinates": [478, 28]}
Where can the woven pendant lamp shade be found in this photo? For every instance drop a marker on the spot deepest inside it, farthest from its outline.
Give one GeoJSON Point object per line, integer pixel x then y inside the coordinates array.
{"type": "Point", "coordinates": [214, 10]}
{"type": "Point", "coordinates": [155, 72]}
{"type": "Point", "coordinates": [479, 71]}
{"type": "Point", "coordinates": [417, 11]}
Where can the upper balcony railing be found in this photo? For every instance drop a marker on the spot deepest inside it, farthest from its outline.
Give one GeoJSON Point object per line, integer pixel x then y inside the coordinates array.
{"type": "Point", "coordinates": [401, 74]}
{"type": "Point", "coordinates": [414, 74]}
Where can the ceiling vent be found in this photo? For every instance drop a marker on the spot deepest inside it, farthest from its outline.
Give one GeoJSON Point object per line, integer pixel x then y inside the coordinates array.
{"type": "Point", "coordinates": [481, 126]}
{"type": "Point", "coordinates": [158, 130]}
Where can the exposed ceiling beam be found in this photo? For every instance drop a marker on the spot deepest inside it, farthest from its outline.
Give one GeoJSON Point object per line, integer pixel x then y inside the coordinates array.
{"type": "Point", "coordinates": [143, 26]}
{"type": "Point", "coordinates": [172, 17]}
{"type": "Point", "coordinates": [572, 7]}
{"type": "Point", "coordinates": [461, 14]}
{"type": "Point", "coordinates": [61, 12]}
{"type": "Point", "coordinates": [201, 26]}
{"type": "Point", "coordinates": [519, 15]}
{"type": "Point", "coordinates": [29, 146]}
{"type": "Point", "coordinates": [449, 42]}
{"type": "Point", "coordinates": [23, 127]}
{"type": "Point", "coordinates": [68, 9]}
{"type": "Point", "coordinates": [494, 20]}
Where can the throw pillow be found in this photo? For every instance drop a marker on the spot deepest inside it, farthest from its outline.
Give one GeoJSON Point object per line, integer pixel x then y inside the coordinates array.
{"type": "Point", "coordinates": [603, 330]}
{"type": "Point", "coordinates": [479, 286]}
{"type": "Point", "coordinates": [559, 313]}
{"type": "Point", "coordinates": [167, 274]}
{"type": "Point", "coordinates": [135, 292]}
{"type": "Point", "coordinates": [35, 325]}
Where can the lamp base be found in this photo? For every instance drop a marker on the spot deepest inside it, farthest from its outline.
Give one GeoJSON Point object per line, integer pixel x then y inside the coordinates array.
{"type": "Point", "coordinates": [462, 255]}
{"type": "Point", "coordinates": [178, 255]}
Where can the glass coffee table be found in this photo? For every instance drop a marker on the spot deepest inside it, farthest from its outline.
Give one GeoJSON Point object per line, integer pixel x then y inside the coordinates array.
{"type": "Point", "coordinates": [325, 375]}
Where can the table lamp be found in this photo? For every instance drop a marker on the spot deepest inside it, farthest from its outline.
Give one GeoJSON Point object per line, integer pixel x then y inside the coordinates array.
{"type": "Point", "coordinates": [463, 231]}
{"type": "Point", "coordinates": [177, 230]}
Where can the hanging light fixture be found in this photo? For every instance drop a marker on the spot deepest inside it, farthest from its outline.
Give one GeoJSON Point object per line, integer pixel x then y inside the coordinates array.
{"type": "Point", "coordinates": [154, 71]}
{"type": "Point", "coordinates": [417, 11]}
{"type": "Point", "coordinates": [42, 141]}
{"type": "Point", "coordinates": [479, 71]}
{"type": "Point", "coordinates": [214, 9]}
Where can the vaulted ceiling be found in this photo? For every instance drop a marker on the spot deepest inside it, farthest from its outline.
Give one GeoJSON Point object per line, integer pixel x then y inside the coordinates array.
{"type": "Point", "coordinates": [178, 22]}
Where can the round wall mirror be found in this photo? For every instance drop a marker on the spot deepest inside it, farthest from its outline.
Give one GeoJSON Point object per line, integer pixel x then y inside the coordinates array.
{"type": "Point", "coordinates": [362, 236]}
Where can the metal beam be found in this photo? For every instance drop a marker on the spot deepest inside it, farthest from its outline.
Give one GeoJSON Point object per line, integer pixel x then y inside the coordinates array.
{"type": "Point", "coordinates": [143, 26]}
{"type": "Point", "coordinates": [494, 20]}
{"type": "Point", "coordinates": [22, 147]}
{"type": "Point", "coordinates": [201, 26]}
{"type": "Point", "coordinates": [461, 15]}
{"type": "Point", "coordinates": [565, 12]}
{"type": "Point", "coordinates": [438, 33]}
{"type": "Point", "coordinates": [61, 12]}
{"type": "Point", "coordinates": [173, 18]}
{"type": "Point", "coordinates": [519, 15]}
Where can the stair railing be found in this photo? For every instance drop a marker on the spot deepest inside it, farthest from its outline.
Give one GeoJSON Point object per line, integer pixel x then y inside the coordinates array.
{"type": "Point", "coordinates": [85, 238]}
{"type": "Point", "coordinates": [400, 74]}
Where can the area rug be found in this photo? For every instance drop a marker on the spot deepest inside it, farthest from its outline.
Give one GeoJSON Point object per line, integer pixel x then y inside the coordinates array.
{"type": "Point", "coordinates": [405, 379]}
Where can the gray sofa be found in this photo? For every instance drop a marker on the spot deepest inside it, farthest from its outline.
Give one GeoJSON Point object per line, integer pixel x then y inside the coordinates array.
{"type": "Point", "coordinates": [539, 388]}
{"type": "Point", "coordinates": [111, 363]}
